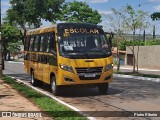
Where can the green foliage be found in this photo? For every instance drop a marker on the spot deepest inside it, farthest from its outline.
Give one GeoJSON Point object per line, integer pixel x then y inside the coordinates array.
{"type": "Point", "coordinates": [155, 16]}
{"type": "Point", "coordinates": [80, 12]}
{"type": "Point", "coordinates": [13, 47]}
{"type": "Point", "coordinates": [138, 43]}
{"type": "Point", "coordinates": [130, 43]}
{"type": "Point", "coordinates": [11, 37]}
{"type": "Point", "coordinates": [152, 42]}
{"type": "Point", "coordinates": [31, 12]}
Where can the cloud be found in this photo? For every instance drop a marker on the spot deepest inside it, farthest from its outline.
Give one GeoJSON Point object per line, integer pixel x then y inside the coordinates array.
{"type": "Point", "coordinates": [6, 3]}
{"type": "Point", "coordinates": [94, 1]}
{"type": "Point", "coordinates": [105, 12]}
{"type": "Point", "coordinates": [154, 0]}
{"type": "Point", "coordinates": [98, 1]}
{"type": "Point", "coordinates": [157, 8]}
{"type": "Point", "coordinates": [4, 7]}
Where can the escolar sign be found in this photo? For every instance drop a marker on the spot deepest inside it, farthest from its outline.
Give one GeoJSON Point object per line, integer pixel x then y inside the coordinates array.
{"type": "Point", "coordinates": [81, 30]}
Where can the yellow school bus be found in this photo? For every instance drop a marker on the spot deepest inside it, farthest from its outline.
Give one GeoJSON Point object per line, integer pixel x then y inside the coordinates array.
{"type": "Point", "coordinates": [69, 54]}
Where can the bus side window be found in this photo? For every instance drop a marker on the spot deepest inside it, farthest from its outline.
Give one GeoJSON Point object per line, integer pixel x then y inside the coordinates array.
{"type": "Point", "coordinates": [36, 43]}
{"type": "Point", "coordinates": [52, 43]}
{"type": "Point", "coordinates": [45, 43]}
{"type": "Point", "coordinates": [31, 43]}
{"type": "Point", "coordinates": [41, 42]}
{"type": "Point", "coordinates": [48, 38]}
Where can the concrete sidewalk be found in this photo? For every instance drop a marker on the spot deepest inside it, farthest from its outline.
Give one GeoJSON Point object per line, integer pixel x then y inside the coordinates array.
{"type": "Point", "coordinates": [11, 100]}
{"type": "Point", "coordinates": [143, 70]}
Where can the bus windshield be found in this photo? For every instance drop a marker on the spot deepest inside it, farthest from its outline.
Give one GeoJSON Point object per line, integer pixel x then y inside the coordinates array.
{"type": "Point", "coordinates": [84, 46]}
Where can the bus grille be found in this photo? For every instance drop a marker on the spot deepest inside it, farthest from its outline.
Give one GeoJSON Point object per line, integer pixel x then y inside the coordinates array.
{"type": "Point", "coordinates": [90, 70]}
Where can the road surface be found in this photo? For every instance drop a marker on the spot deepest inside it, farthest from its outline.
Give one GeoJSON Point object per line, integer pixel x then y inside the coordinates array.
{"type": "Point", "coordinates": [123, 95]}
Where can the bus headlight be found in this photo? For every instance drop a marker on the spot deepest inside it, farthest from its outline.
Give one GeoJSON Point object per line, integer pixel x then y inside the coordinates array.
{"type": "Point", "coordinates": [108, 67]}
{"type": "Point", "coordinates": [66, 68]}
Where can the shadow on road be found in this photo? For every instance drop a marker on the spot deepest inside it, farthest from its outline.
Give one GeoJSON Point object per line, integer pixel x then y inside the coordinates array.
{"type": "Point", "coordinates": [136, 89]}
{"type": "Point", "coordinates": [80, 91]}
{"type": "Point", "coordinates": [123, 89]}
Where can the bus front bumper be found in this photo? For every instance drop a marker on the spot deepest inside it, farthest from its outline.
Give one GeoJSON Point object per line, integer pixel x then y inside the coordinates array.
{"type": "Point", "coordinates": [68, 78]}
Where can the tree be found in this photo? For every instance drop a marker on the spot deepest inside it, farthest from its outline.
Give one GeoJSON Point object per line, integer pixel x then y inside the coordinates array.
{"type": "Point", "coordinates": [116, 22]}
{"type": "Point", "coordinates": [155, 16]}
{"type": "Point", "coordinates": [29, 13]}
{"type": "Point", "coordinates": [80, 12]}
{"type": "Point", "coordinates": [11, 36]}
{"type": "Point", "coordinates": [133, 20]}
{"type": "Point", "coordinates": [13, 48]}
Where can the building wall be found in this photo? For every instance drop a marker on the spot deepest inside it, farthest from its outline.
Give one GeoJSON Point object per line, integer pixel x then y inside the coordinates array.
{"type": "Point", "coordinates": [148, 56]}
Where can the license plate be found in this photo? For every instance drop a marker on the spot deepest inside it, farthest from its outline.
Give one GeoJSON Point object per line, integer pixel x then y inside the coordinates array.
{"type": "Point", "coordinates": [90, 75]}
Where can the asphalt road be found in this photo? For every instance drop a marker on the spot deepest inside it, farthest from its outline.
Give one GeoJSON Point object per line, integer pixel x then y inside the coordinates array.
{"type": "Point", "coordinates": [123, 95]}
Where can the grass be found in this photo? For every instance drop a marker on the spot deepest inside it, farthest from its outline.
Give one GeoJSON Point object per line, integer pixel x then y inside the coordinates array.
{"type": "Point", "coordinates": [138, 74]}
{"type": "Point", "coordinates": [52, 108]}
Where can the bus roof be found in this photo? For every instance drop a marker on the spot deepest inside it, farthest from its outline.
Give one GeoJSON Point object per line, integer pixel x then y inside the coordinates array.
{"type": "Point", "coordinates": [45, 29]}
{"type": "Point", "coordinates": [52, 28]}
{"type": "Point", "coordinates": [77, 25]}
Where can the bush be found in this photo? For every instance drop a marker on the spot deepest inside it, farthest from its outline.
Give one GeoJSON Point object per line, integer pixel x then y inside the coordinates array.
{"type": "Point", "coordinates": [130, 43]}
{"type": "Point", "coordinates": [138, 43]}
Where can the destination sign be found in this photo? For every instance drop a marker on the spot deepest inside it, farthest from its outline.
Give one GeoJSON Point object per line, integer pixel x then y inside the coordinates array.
{"type": "Point", "coordinates": [81, 30]}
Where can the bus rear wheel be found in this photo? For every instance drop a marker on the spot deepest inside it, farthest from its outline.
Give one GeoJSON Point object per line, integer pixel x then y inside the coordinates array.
{"type": "Point", "coordinates": [103, 88]}
{"type": "Point", "coordinates": [54, 87]}
{"type": "Point", "coordinates": [34, 82]}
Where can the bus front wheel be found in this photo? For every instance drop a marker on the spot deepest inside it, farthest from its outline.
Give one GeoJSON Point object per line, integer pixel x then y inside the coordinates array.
{"type": "Point", "coordinates": [103, 88]}
{"type": "Point", "coordinates": [54, 87]}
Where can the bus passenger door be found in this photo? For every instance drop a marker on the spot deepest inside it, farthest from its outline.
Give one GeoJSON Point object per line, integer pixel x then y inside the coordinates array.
{"type": "Point", "coordinates": [46, 70]}
{"type": "Point", "coordinates": [41, 58]}
{"type": "Point", "coordinates": [40, 67]}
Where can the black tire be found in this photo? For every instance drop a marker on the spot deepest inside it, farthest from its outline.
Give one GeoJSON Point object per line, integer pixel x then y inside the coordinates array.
{"type": "Point", "coordinates": [34, 81]}
{"type": "Point", "coordinates": [103, 88]}
{"type": "Point", "coordinates": [54, 88]}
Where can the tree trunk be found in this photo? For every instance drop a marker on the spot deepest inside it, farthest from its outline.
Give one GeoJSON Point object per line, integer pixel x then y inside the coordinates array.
{"type": "Point", "coordinates": [137, 58]}
{"type": "Point", "coordinates": [154, 32]}
{"type": "Point", "coordinates": [9, 56]}
{"type": "Point", "coordinates": [23, 34]}
{"type": "Point", "coordinates": [144, 36]}
{"type": "Point", "coordinates": [5, 55]}
{"type": "Point", "coordinates": [118, 60]}
{"type": "Point", "coordinates": [133, 51]}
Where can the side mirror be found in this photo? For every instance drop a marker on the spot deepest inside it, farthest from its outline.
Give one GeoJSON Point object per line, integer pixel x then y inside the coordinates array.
{"type": "Point", "coordinates": [57, 38]}
{"type": "Point", "coordinates": [110, 37]}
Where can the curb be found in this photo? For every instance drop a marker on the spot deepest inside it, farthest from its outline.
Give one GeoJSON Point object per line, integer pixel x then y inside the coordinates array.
{"type": "Point", "coordinates": [137, 77]}
{"type": "Point", "coordinates": [141, 69]}
{"type": "Point", "coordinates": [54, 98]}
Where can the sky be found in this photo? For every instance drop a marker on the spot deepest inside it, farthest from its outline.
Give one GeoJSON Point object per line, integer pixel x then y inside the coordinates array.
{"type": "Point", "coordinates": [104, 8]}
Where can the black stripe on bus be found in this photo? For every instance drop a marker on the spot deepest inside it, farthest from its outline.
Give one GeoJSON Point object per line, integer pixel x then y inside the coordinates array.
{"type": "Point", "coordinates": [41, 58]}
